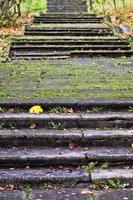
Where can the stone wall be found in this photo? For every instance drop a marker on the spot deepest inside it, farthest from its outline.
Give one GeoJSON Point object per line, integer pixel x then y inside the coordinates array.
{"type": "Point", "coordinates": [66, 6]}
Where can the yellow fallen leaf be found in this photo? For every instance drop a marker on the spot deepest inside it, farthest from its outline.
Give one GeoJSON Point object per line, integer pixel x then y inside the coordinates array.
{"type": "Point", "coordinates": [132, 145]}
{"type": "Point", "coordinates": [36, 109]}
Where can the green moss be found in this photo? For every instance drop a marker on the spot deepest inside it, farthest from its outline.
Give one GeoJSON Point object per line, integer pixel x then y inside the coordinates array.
{"type": "Point", "coordinates": [91, 78]}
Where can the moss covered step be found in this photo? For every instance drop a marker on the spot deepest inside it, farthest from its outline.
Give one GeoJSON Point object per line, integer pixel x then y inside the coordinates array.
{"type": "Point", "coordinates": [78, 104]}
{"type": "Point", "coordinates": [69, 28]}
{"type": "Point", "coordinates": [38, 56]}
{"type": "Point", "coordinates": [58, 138]}
{"type": "Point", "coordinates": [69, 54]}
{"type": "Point", "coordinates": [64, 31]}
{"type": "Point", "coordinates": [73, 21]}
{"type": "Point", "coordinates": [66, 16]}
{"type": "Point", "coordinates": [68, 42]}
{"type": "Point", "coordinates": [65, 176]}
{"type": "Point", "coordinates": [109, 53]}
{"type": "Point", "coordinates": [51, 48]}
{"type": "Point", "coordinates": [67, 38]}
{"type": "Point", "coordinates": [48, 156]}
{"type": "Point", "coordinates": [64, 27]}
{"type": "Point", "coordinates": [64, 120]}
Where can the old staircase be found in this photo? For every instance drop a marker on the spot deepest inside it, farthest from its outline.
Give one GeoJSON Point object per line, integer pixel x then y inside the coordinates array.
{"type": "Point", "coordinates": [65, 32]}
{"type": "Point", "coordinates": [73, 143]}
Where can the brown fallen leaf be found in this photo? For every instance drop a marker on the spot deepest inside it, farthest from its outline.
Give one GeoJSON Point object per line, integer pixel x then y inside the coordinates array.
{"type": "Point", "coordinates": [32, 126]}
{"type": "Point", "coordinates": [2, 188]}
{"type": "Point", "coordinates": [10, 187]}
{"type": "Point", "coordinates": [72, 145]}
{"type": "Point", "coordinates": [68, 110]}
{"type": "Point", "coordinates": [10, 110]}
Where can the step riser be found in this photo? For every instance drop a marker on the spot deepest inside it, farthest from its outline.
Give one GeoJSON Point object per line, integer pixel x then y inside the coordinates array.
{"type": "Point", "coordinates": [71, 55]}
{"type": "Point", "coordinates": [36, 57]}
{"type": "Point", "coordinates": [64, 29]}
{"type": "Point", "coordinates": [85, 19]}
{"type": "Point", "coordinates": [76, 104]}
{"type": "Point", "coordinates": [71, 161]}
{"type": "Point", "coordinates": [52, 49]}
{"type": "Point", "coordinates": [33, 176]}
{"type": "Point", "coordinates": [72, 22]}
{"type": "Point", "coordinates": [13, 44]}
{"type": "Point", "coordinates": [105, 54]}
{"type": "Point", "coordinates": [60, 124]}
{"type": "Point", "coordinates": [64, 142]}
{"type": "Point", "coordinates": [84, 30]}
{"type": "Point", "coordinates": [33, 33]}
{"type": "Point", "coordinates": [66, 15]}
{"type": "Point", "coordinates": [67, 18]}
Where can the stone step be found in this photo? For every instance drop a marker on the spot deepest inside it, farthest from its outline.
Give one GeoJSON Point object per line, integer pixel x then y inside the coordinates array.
{"type": "Point", "coordinates": [62, 29]}
{"type": "Point", "coordinates": [82, 193]}
{"type": "Point", "coordinates": [78, 104]}
{"type": "Point", "coordinates": [68, 38]}
{"type": "Point", "coordinates": [67, 33]}
{"type": "Point", "coordinates": [66, 15]}
{"type": "Point", "coordinates": [65, 176]}
{"type": "Point", "coordinates": [36, 56]}
{"type": "Point", "coordinates": [123, 175]}
{"type": "Point", "coordinates": [66, 120]}
{"type": "Point", "coordinates": [66, 54]}
{"type": "Point", "coordinates": [104, 53]}
{"type": "Point", "coordinates": [52, 48]}
{"type": "Point", "coordinates": [47, 156]}
{"type": "Point", "coordinates": [54, 138]}
{"type": "Point", "coordinates": [73, 21]}
{"type": "Point", "coordinates": [62, 18]}
{"type": "Point", "coordinates": [68, 42]}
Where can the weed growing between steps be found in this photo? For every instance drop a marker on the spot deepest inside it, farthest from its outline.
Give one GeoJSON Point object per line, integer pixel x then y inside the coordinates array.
{"type": "Point", "coordinates": [61, 109]}
{"type": "Point", "coordinates": [27, 189]}
{"type": "Point", "coordinates": [91, 78]}
{"type": "Point", "coordinates": [113, 183]}
{"type": "Point", "coordinates": [92, 165]}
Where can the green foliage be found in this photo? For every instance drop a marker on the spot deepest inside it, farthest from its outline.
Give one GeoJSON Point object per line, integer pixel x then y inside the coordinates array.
{"type": "Point", "coordinates": [105, 6]}
{"type": "Point", "coordinates": [34, 6]}
{"type": "Point", "coordinates": [57, 110]}
{"type": "Point", "coordinates": [115, 183]}
{"type": "Point", "coordinates": [27, 189]}
{"type": "Point", "coordinates": [1, 109]}
{"type": "Point", "coordinates": [105, 165]}
{"type": "Point", "coordinates": [91, 166]}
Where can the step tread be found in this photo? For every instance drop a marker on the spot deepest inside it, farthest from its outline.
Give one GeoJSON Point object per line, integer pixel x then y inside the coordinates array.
{"type": "Point", "coordinates": [90, 38]}
{"type": "Point", "coordinates": [69, 46]}
{"type": "Point", "coordinates": [112, 173]}
{"type": "Point", "coordinates": [62, 155]}
{"type": "Point", "coordinates": [38, 175]}
{"type": "Point", "coordinates": [65, 116]}
{"type": "Point", "coordinates": [72, 53]}
{"type": "Point", "coordinates": [67, 102]}
{"type": "Point", "coordinates": [59, 53]}
{"type": "Point", "coordinates": [55, 28]}
{"type": "Point", "coordinates": [69, 134]}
